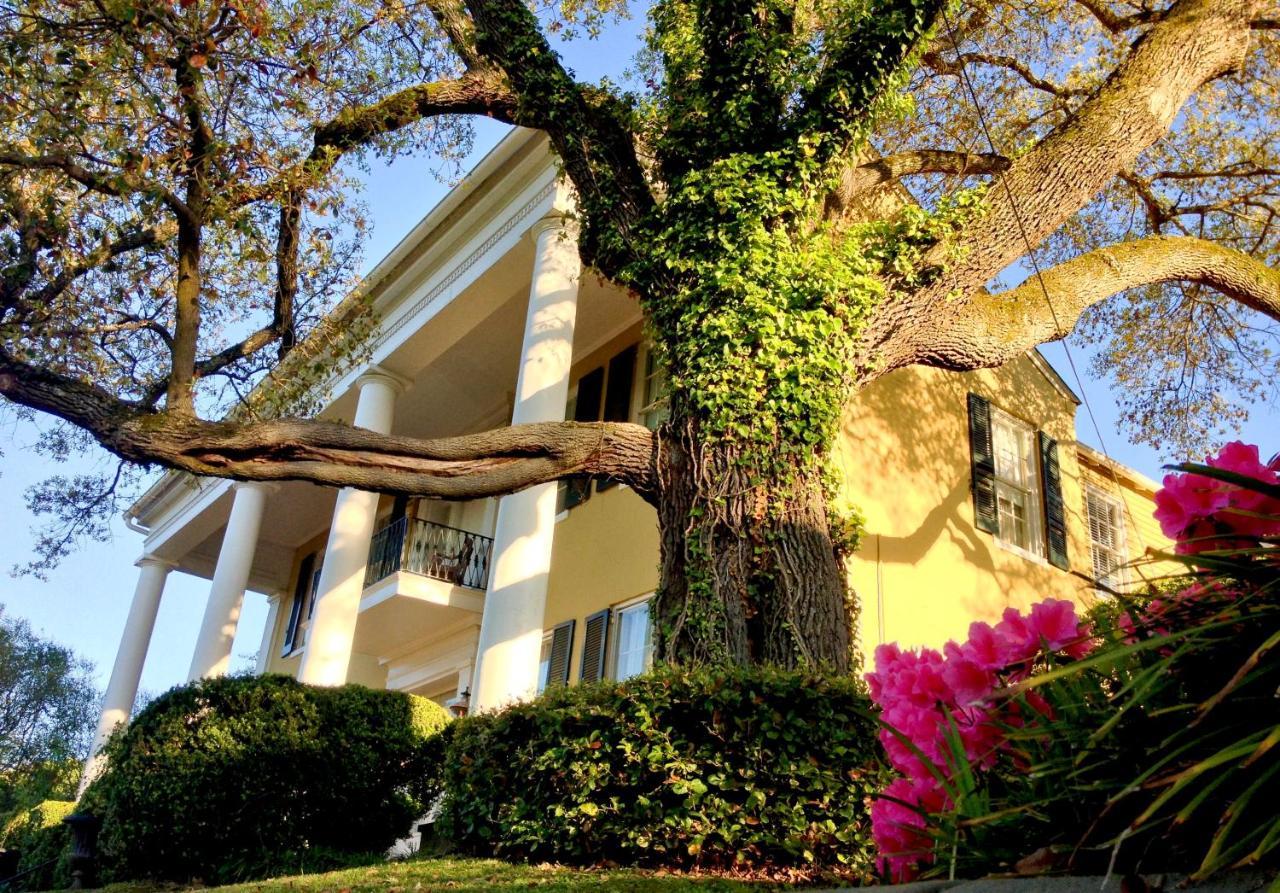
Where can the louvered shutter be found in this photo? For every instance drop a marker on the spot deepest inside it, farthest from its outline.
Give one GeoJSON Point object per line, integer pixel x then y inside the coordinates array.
{"type": "Point", "coordinates": [561, 651]}
{"type": "Point", "coordinates": [315, 590]}
{"type": "Point", "coordinates": [617, 395]}
{"type": "Point", "coordinates": [594, 645]}
{"type": "Point", "coordinates": [1055, 510]}
{"type": "Point", "coordinates": [586, 409]}
{"type": "Point", "coordinates": [982, 474]}
{"type": "Point", "coordinates": [299, 596]}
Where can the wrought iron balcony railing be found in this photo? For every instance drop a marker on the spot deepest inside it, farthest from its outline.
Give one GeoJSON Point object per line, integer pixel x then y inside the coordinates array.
{"type": "Point", "coordinates": [431, 550]}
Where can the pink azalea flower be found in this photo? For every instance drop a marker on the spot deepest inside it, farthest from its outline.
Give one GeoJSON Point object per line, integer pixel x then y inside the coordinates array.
{"type": "Point", "coordinates": [969, 682]}
{"type": "Point", "coordinates": [983, 647]}
{"type": "Point", "coordinates": [1053, 622]}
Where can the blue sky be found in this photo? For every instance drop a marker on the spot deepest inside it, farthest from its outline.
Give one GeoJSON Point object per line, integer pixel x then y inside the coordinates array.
{"type": "Point", "coordinates": [85, 601]}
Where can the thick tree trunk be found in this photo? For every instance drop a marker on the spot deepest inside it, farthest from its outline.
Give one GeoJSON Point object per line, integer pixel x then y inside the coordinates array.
{"type": "Point", "coordinates": [749, 573]}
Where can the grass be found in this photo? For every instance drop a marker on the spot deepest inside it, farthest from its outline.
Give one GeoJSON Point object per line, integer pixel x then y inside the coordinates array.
{"type": "Point", "coordinates": [470, 876]}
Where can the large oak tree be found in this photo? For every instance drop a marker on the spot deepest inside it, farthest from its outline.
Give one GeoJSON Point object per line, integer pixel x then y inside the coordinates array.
{"type": "Point", "coordinates": [801, 196]}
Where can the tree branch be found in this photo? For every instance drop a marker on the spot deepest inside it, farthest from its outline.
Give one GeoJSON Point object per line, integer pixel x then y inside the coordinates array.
{"type": "Point", "coordinates": [491, 463]}
{"type": "Point", "coordinates": [868, 175]}
{"type": "Point", "coordinates": [954, 67]}
{"type": "Point", "coordinates": [133, 241]}
{"type": "Point", "coordinates": [1193, 43]}
{"type": "Point", "coordinates": [1115, 23]}
{"type": "Point", "coordinates": [116, 185]}
{"type": "Point", "coordinates": [586, 128]}
{"type": "Point", "coordinates": [1002, 326]}
{"type": "Point", "coordinates": [475, 93]}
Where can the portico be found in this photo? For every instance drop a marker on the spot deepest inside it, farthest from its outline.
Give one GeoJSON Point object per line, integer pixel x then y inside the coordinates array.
{"type": "Point", "coordinates": [478, 326]}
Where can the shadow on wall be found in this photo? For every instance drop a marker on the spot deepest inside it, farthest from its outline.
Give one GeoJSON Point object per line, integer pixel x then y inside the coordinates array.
{"type": "Point", "coordinates": [924, 571]}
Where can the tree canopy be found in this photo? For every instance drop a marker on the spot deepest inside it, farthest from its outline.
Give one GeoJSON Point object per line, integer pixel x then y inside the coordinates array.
{"type": "Point", "coordinates": [47, 709]}
{"type": "Point", "coordinates": [803, 196]}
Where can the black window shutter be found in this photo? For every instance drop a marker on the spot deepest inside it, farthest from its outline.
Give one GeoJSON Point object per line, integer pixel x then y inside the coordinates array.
{"type": "Point", "coordinates": [561, 651]}
{"type": "Point", "coordinates": [617, 395]}
{"type": "Point", "coordinates": [1055, 510]}
{"type": "Point", "coordinates": [299, 596]}
{"type": "Point", "coordinates": [982, 478]}
{"type": "Point", "coordinates": [315, 590]}
{"type": "Point", "coordinates": [594, 645]}
{"type": "Point", "coordinates": [585, 409]}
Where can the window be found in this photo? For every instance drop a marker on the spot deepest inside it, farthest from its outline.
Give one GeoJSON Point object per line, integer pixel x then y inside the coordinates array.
{"type": "Point", "coordinates": [655, 405]}
{"type": "Point", "coordinates": [1106, 536]}
{"type": "Point", "coordinates": [544, 662]}
{"type": "Point", "coordinates": [1016, 484]}
{"type": "Point", "coordinates": [633, 640]}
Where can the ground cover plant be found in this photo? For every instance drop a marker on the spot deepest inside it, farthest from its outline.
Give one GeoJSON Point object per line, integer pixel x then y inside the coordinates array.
{"type": "Point", "coordinates": [244, 777]}
{"type": "Point", "coordinates": [732, 769]}
{"type": "Point", "coordinates": [461, 875]}
{"type": "Point", "coordinates": [1143, 738]}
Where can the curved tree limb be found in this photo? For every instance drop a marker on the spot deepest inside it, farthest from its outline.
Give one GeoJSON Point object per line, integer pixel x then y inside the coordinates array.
{"type": "Point", "coordinates": [472, 466]}
{"type": "Point", "coordinates": [1000, 327]}
{"type": "Point", "coordinates": [481, 92]}
{"type": "Point", "coordinates": [585, 126]}
{"type": "Point", "coordinates": [1193, 43]}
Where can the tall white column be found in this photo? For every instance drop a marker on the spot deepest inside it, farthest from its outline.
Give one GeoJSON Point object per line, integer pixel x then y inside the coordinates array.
{"type": "Point", "coordinates": [122, 689]}
{"type": "Point", "coordinates": [333, 626]}
{"type": "Point", "coordinates": [511, 626]}
{"type": "Point", "coordinates": [212, 655]}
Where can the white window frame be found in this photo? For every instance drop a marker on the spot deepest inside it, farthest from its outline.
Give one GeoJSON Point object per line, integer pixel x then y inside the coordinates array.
{"type": "Point", "coordinates": [640, 399]}
{"type": "Point", "coordinates": [544, 666]}
{"type": "Point", "coordinates": [1003, 424]}
{"type": "Point", "coordinates": [1118, 577]}
{"type": "Point", "coordinates": [615, 634]}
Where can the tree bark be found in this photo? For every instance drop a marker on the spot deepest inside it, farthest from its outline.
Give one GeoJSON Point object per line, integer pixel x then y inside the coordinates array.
{"type": "Point", "coordinates": [749, 572]}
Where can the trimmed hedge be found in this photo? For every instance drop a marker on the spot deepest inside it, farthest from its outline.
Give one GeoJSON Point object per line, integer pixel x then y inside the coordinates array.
{"type": "Point", "coordinates": [245, 777]}
{"type": "Point", "coordinates": [44, 844]}
{"type": "Point", "coordinates": [752, 769]}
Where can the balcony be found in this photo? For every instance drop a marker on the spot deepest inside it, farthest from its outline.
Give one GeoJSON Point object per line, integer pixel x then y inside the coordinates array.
{"type": "Point", "coordinates": [454, 556]}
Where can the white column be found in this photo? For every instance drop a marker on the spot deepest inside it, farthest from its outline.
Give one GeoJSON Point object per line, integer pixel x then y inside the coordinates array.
{"type": "Point", "coordinates": [268, 632]}
{"type": "Point", "coordinates": [511, 626]}
{"type": "Point", "coordinates": [122, 689]}
{"type": "Point", "coordinates": [212, 655]}
{"type": "Point", "coordinates": [333, 626]}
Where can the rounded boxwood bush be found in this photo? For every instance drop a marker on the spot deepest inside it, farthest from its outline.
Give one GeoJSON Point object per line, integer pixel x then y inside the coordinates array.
{"type": "Point", "coordinates": [245, 777]}
{"type": "Point", "coordinates": [744, 769]}
{"type": "Point", "coordinates": [43, 844]}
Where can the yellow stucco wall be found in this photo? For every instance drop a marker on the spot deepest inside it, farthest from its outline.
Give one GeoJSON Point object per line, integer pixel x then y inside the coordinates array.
{"type": "Point", "coordinates": [605, 553]}
{"type": "Point", "coordinates": [924, 571]}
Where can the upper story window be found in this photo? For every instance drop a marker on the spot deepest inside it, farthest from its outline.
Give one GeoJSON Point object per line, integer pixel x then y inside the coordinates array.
{"type": "Point", "coordinates": [1105, 515]}
{"type": "Point", "coordinates": [654, 402]}
{"type": "Point", "coordinates": [1017, 484]}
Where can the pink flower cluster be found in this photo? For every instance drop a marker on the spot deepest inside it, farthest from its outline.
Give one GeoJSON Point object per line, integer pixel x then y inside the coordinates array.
{"type": "Point", "coordinates": [923, 694]}
{"type": "Point", "coordinates": [1204, 514]}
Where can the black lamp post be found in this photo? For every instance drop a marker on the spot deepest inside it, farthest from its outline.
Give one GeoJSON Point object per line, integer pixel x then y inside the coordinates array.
{"type": "Point", "coordinates": [84, 848]}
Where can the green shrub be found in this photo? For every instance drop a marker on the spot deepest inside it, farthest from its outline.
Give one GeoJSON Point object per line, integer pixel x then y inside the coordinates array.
{"type": "Point", "coordinates": [44, 843]}
{"type": "Point", "coordinates": [725, 768]}
{"type": "Point", "coordinates": [244, 777]}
